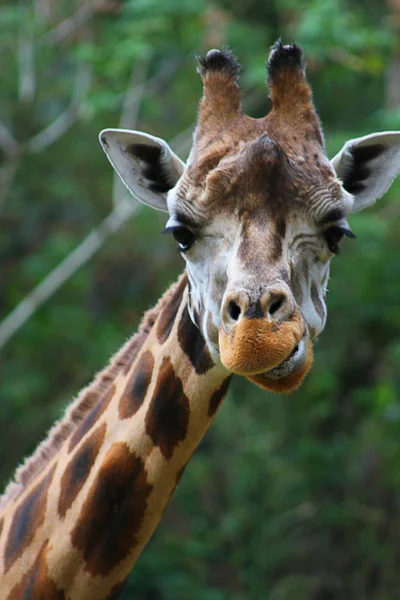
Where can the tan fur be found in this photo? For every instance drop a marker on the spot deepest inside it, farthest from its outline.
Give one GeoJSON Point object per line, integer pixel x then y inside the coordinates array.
{"type": "Point", "coordinates": [220, 105]}
{"type": "Point", "coordinates": [221, 97]}
{"type": "Point", "coordinates": [291, 94]}
{"type": "Point", "coordinates": [83, 404]}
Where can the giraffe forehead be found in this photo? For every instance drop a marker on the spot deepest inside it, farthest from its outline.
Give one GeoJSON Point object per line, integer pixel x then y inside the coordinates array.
{"type": "Point", "coordinates": [260, 180]}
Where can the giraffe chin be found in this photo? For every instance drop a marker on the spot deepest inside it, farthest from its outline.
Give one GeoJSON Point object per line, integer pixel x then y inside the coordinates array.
{"type": "Point", "coordinates": [272, 381]}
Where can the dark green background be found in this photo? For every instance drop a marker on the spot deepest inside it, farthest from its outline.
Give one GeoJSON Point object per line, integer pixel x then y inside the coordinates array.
{"type": "Point", "coordinates": [288, 497]}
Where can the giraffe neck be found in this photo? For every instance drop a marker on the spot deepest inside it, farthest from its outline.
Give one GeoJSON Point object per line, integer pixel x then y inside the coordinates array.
{"type": "Point", "coordinates": [77, 529]}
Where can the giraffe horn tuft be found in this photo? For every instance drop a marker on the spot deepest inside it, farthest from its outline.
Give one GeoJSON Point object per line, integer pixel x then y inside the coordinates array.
{"type": "Point", "coordinates": [286, 79]}
{"type": "Point", "coordinates": [284, 58]}
{"type": "Point", "coordinates": [222, 62]}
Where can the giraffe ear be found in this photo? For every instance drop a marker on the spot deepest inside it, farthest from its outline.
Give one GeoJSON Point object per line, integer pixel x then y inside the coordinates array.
{"type": "Point", "coordinates": [368, 165]}
{"type": "Point", "coordinates": [146, 164]}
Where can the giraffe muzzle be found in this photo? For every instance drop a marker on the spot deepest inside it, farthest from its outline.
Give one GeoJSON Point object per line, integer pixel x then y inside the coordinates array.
{"type": "Point", "coordinates": [287, 376]}
{"type": "Point", "coordinates": [295, 360]}
{"type": "Point", "coordinates": [273, 354]}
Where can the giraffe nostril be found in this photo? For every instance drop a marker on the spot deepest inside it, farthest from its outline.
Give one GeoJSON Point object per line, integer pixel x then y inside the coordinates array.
{"type": "Point", "coordinates": [234, 310]}
{"type": "Point", "coordinates": [276, 304]}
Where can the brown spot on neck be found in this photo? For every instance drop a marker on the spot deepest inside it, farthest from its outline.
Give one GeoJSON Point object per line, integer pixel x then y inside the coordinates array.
{"type": "Point", "coordinates": [111, 517]}
{"type": "Point", "coordinates": [79, 468]}
{"type": "Point", "coordinates": [28, 517]}
{"type": "Point", "coordinates": [168, 314]}
{"type": "Point", "coordinates": [217, 396]}
{"type": "Point", "coordinates": [193, 344]}
{"type": "Point", "coordinates": [91, 418]}
{"type": "Point", "coordinates": [135, 393]}
{"type": "Point", "coordinates": [167, 418]}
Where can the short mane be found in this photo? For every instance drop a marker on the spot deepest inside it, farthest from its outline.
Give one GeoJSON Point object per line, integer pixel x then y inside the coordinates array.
{"type": "Point", "coordinates": [85, 401]}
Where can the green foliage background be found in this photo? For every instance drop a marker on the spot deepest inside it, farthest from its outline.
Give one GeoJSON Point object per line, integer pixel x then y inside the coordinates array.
{"type": "Point", "coordinates": [286, 498]}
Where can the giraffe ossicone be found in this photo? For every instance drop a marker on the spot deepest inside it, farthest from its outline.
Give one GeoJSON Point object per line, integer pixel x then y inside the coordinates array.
{"type": "Point", "coordinates": [258, 212]}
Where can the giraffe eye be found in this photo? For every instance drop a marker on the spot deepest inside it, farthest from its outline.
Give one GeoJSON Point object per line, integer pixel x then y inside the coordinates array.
{"type": "Point", "coordinates": [183, 236]}
{"type": "Point", "coordinates": [334, 235]}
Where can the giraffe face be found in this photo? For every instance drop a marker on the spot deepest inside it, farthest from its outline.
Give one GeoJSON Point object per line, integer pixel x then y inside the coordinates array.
{"type": "Point", "coordinates": [258, 212]}
{"type": "Point", "coordinates": [257, 233]}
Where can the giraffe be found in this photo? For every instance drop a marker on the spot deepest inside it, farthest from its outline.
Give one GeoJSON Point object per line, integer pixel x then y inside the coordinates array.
{"type": "Point", "coordinates": [258, 212]}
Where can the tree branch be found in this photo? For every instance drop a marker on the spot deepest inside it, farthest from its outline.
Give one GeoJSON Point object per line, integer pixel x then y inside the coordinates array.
{"type": "Point", "coordinates": [69, 26]}
{"type": "Point", "coordinates": [166, 71]}
{"type": "Point", "coordinates": [58, 276]}
{"type": "Point", "coordinates": [8, 143]}
{"type": "Point", "coordinates": [134, 94]}
{"type": "Point", "coordinates": [7, 175]}
{"type": "Point", "coordinates": [26, 66]}
{"type": "Point", "coordinates": [42, 8]}
{"type": "Point", "coordinates": [65, 120]}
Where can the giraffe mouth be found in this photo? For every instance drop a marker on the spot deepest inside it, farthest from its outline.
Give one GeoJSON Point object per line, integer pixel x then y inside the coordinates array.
{"type": "Point", "coordinates": [287, 376]}
{"type": "Point", "coordinates": [296, 360]}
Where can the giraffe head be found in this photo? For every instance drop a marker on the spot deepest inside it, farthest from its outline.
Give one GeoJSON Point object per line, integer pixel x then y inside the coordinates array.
{"type": "Point", "coordinates": [258, 213]}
